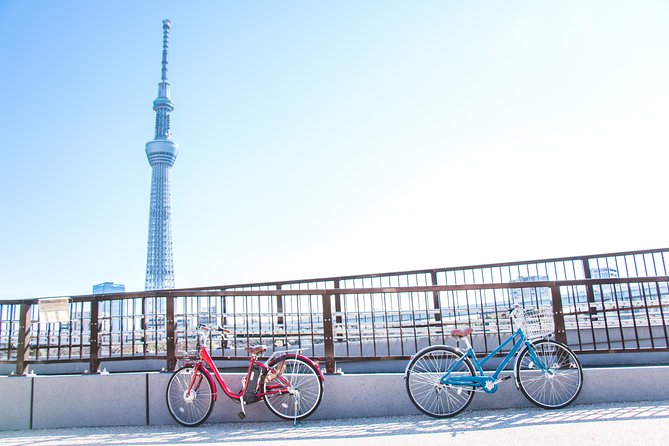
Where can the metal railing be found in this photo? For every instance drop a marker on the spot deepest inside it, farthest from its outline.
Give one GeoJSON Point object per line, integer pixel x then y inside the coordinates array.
{"type": "Point", "coordinates": [383, 316]}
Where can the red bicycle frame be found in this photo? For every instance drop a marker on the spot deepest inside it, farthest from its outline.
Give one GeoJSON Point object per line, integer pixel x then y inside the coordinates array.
{"type": "Point", "coordinates": [205, 363]}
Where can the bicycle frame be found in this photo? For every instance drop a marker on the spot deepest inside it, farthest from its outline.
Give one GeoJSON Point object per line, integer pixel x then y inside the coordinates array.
{"type": "Point", "coordinates": [489, 382]}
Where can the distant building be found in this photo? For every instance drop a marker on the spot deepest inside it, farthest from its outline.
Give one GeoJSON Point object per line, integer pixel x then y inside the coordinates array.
{"type": "Point", "coordinates": [110, 311]}
{"type": "Point", "coordinates": [530, 293]}
{"type": "Point", "coordinates": [108, 287]}
{"type": "Point", "coordinates": [603, 273]}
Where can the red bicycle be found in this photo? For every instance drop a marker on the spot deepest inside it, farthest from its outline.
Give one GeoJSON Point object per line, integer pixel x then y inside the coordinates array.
{"type": "Point", "coordinates": [290, 384]}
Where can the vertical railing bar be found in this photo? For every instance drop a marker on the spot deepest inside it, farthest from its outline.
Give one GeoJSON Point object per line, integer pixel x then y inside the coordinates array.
{"type": "Point", "coordinates": [605, 314]}
{"type": "Point", "coordinates": [483, 326]}
{"type": "Point", "coordinates": [279, 300]}
{"type": "Point", "coordinates": [435, 296]}
{"type": "Point", "coordinates": [131, 312]}
{"type": "Point", "coordinates": [328, 338]}
{"type": "Point", "coordinates": [664, 324]}
{"type": "Point", "coordinates": [386, 322]}
{"type": "Point", "coordinates": [645, 304]}
{"type": "Point", "coordinates": [428, 321]}
{"type": "Point", "coordinates": [373, 316]}
{"type": "Point", "coordinates": [169, 328]}
{"type": "Point", "coordinates": [558, 315]}
{"type": "Point", "coordinates": [357, 307]}
{"type": "Point", "coordinates": [143, 326]}
{"type": "Point", "coordinates": [618, 289]}
{"type": "Point", "coordinates": [48, 340]}
{"type": "Point", "coordinates": [312, 329]}
{"type": "Point", "coordinates": [81, 330]}
{"type": "Point", "coordinates": [38, 340]}
{"type": "Point", "coordinates": [2, 319]}
{"type": "Point", "coordinates": [94, 361]}
{"type": "Point", "coordinates": [23, 345]}
{"type": "Point", "coordinates": [632, 313]}
{"type": "Point", "coordinates": [121, 319]}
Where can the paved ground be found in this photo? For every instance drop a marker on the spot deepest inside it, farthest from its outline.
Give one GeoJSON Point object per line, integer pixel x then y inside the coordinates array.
{"type": "Point", "coordinates": [605, 424]}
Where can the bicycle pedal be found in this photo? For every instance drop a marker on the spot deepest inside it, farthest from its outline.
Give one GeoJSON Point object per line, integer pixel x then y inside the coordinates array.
{"type": "Point", "coordinates": [504, 378]}
{"type": "Point", "coordinates": [241, 415]}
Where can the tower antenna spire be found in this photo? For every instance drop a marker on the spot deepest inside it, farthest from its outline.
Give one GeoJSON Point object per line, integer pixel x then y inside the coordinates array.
{"type": "Point", "coordinates": [166, 36]}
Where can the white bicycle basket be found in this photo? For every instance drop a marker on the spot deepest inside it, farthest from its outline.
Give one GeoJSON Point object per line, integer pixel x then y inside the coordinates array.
{"type": "Point", "coordinates": [535, 322]}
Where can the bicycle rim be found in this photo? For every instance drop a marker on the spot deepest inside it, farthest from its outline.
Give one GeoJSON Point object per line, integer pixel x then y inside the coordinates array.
{"type": "Point", "coordinates": [423, 382]}
{"type": "Point", "coordinates": [296, 392]}
{"type": "Point", "coordinates": [556, 382]}
{"type": "Point", "coordinates": [189, 408]}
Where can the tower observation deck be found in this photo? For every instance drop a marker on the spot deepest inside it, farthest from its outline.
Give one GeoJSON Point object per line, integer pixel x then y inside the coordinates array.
{"type": "Point", "coordinates": [162, 153]}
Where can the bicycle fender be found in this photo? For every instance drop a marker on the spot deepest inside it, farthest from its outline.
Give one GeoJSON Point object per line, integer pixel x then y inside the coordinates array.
{"type": "Point", "coordinates": [305, 359]}
{"type": "Point", "coordinates": [207, 375]}
{"type": "Point", "coordinates": [419, 352]}
{"type": "Point", "coordinates": [519, 354]}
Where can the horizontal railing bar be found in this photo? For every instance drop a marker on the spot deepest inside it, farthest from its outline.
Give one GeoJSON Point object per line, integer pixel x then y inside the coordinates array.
{"type": "Point", "coordinates": [365, 290]}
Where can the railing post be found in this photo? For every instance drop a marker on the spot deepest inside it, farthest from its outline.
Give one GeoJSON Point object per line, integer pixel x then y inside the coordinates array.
{"type": "Point", "coordinates": [23, 346]}
{"type": "Point", "coordinates": [328, 335]}
{"type": "Point", "coordinates": [171, 344]}
{"type": "Point", "coordinates": [558, 314]}
{"type": "Point", "coordinates": [589, 292]}
{"type": "Point", "coordinates": [94, 360]}
{"type": "Point", "coordinates": [435, 297]}
{"type": "Point", "coordinates": [279, 307]}
{"type": "Point", "coordinates": [143, 325]}
{"type": "Point", "coordinates": [338, 319]}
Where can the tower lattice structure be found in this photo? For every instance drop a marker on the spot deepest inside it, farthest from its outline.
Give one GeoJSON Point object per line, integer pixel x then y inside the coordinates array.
{"type": "Point", "coordinates": [162, 153]}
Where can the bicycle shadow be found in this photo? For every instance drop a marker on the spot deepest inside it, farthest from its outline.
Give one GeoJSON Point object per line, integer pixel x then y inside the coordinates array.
{"type": "Point", "coordinates": [468, 421]}
{"type": "Point", "coordinates": [343, 429]}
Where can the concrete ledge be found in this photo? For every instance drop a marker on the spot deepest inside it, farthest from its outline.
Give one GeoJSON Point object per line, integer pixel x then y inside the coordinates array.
{"type": "Point", "coordinates": [15, 404]}
{"type": "Point", "coordinates": [139, 398]}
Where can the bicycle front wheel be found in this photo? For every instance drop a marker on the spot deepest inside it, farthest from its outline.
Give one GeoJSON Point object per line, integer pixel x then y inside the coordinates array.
{"type": "Point", "coordinates": [553, 379]}
{"type": "Point", "coordinates": [423, 381]}
{"type": "Point", "coordinates": [189, 408]}
{"type": "Point", "coordinates": [293, 388]}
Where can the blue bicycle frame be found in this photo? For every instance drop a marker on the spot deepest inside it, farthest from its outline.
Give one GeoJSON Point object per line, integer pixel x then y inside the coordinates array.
{"type": "Point", "coordinates": [489, 382]}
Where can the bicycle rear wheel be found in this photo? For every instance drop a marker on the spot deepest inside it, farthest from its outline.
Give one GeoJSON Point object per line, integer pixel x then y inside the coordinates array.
{"type": "Point", "coordinates": [189, 408]}
{"type": "Point", "coordinates": [556, 381]}
{"type": "Point", "coordinates": [423, 381]}
{"type": "Point", "coordinates": [293, 388]}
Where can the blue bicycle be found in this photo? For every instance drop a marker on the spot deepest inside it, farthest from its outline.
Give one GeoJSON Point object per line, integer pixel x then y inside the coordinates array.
{"type": "Point", "coordinates": [441, 380]}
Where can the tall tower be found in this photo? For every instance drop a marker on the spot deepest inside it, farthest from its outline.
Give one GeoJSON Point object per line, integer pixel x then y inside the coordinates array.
{"type": "Point", "coordinates": [161, 152]}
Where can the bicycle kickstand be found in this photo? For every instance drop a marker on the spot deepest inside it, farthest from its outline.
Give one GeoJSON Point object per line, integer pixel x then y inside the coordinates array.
{"type": "Point", "coordinates": [242, 414]}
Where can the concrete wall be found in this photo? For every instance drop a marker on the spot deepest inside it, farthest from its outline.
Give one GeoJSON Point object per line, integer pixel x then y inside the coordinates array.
{"type": "Point", "coordinates": [139, 398]}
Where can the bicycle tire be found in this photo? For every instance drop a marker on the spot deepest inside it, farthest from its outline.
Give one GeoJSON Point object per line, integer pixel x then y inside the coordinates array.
{"type": "Point", "coordinates": [193, 409]}
{"type": "Point", "coordinates": [303, 386]}
{"type": "Point", "coordinates": [423, 382]}
{"type": "Point", "coordinates": [550, 390]}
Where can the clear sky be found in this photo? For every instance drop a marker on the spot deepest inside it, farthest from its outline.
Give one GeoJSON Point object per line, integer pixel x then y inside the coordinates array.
{"type": "Point", "coordinates": [329, 138]}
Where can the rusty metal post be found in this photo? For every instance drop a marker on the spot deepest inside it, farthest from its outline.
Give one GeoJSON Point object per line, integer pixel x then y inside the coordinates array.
{"type": "Point", "coordinates": [143, 325]}
{"type": "Point", "coordinates": [589, 292]}
{"type": "Point", "coordinates": [558, 315]}
{"type": "Point", "coordinates": [328, 335]}
{"type": "Point", "coordinates": [435, 297]}
{"type": "Point", "coordinates": [94, 360]}
{"type": "Point", "coordinates": [23, 346]}
{"type": "Point", "coordinates": [338, 318]}
{"type": "Point", "coordinates": [171, 344]}
{"type": "Point", "coordinates": [279, 307]}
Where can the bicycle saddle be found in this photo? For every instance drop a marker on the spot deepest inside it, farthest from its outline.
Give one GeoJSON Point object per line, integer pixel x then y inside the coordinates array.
{"type": "Point", "coordinates": [462, 333]}
{"type": "Point", "coordinates": [255, 349]}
